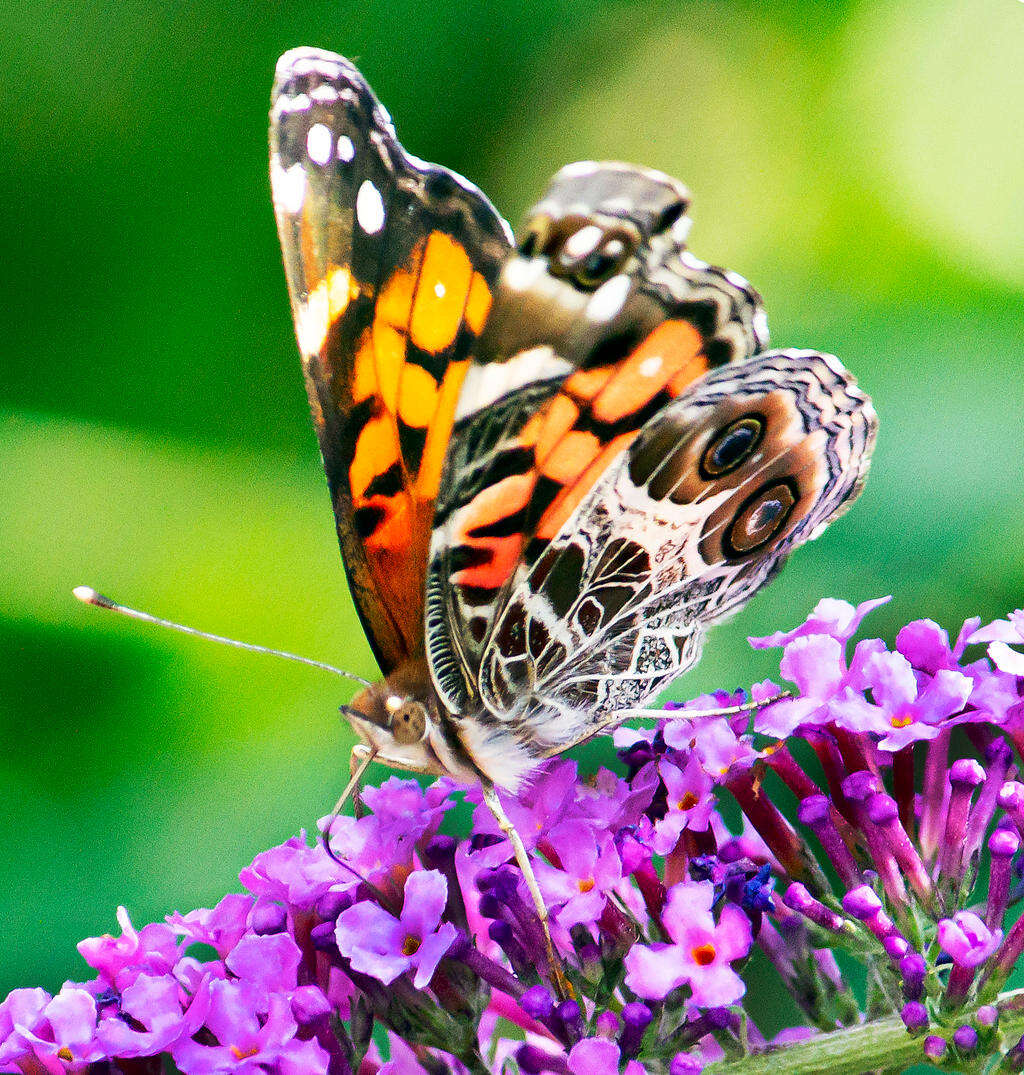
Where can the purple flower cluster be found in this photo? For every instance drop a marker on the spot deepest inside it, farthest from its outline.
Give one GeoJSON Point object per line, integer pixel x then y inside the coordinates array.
{"type": "Point", "coordinates": [882, 821]}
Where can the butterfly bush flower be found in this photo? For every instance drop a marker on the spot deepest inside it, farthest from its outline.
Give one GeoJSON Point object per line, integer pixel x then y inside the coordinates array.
{"type": "Point", "coordinates": [875, 817]}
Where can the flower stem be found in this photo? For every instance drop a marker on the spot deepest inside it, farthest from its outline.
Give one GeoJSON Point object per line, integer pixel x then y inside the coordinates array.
{"type": "Point", "coordinates": [882, 1044]}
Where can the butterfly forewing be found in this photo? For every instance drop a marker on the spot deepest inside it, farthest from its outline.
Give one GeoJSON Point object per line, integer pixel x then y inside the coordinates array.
{"type": "Point", "coordinates": [391, 264]}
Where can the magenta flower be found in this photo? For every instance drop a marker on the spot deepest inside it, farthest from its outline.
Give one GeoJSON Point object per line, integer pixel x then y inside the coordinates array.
{"type": "Point", "coordinates": [600, 1056]}
{"type": "Point", "coordinates": [153, 950]}
{"type": "Point", "coordinates": [223, 926]}
{"type": "Point", "coordinates": [966, 939]}
{"type": "Point", "coordinates": [271, 963]}
{"type": "Point", "coordinates": [384, 842]}
{"type": "Point", "coordinates": [550, 797]}
{"type": "Point", "coordinates": [293, 872]}
{"type": "Point", "coordinates": [994, 695]}
{"type": "Point", "coordinates": [716, 743]}
{"type": "Point", "coordinates": [908, 707]}
{"type": "Point", "coordinates": [836, 619]}
{"type": "Point", "coordinates": [1002, 634]}
{"type": "Point", "coordinates": [879, 831]}
{"type": "Point", "coordinates": [700, 954]}
{"type": "Point", "coordinates": [690, 802]}
{"type": "Point", "coordinates": [55, 1032]}
{"type": "Point", "coordinates": [926, 645]}
{"type": "Point", "coordinates": [378, 944]}
{"type": "Point", "coordinates": [247, 1041]}
{"type": "Point", "coordinates": [828, 688]}
{"type": "Point", "coordinates": [590, 868]}
{"type": "Point", "coordinates": [156, 1019]}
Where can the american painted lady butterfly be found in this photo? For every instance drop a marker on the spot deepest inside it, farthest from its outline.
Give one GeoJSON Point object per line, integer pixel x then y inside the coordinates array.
{"type": "Point", "coordinates": [554, 464]}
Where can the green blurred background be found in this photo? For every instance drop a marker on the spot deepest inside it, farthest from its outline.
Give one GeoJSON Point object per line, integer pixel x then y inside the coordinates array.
{"type": "Point", "coordinates": [860, 162]}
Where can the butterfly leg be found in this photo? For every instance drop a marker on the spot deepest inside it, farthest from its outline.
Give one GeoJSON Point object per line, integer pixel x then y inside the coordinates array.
{"type": "Point", "coordinates": [355, 771]}
{"type": "Point", "coordinates": [358, 761]}
{"type": "Point", "coordinates": [558, 978]}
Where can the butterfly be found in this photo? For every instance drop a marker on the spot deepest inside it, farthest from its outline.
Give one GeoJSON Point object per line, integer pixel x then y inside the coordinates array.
{"type": "Point", "coordinates": [554, 462]}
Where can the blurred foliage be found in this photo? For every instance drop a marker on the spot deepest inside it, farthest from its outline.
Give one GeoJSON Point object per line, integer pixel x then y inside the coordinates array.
{"type": "Point", "coordinates": [855, 160]}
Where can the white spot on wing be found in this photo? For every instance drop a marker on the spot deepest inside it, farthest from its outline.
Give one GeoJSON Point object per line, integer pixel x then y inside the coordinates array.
{"type": "Point", "coordinates": [488, 383]}
{"type": "Point", "coordinates": [319, 143]}
{"type": "Point", "coordinates": [439, 289]}
{"type": "Point", "coordinates": [289, 185]}
{"type": "Point", "coordinates": [299, 103]}
{"type": "Point", "coordinates": [580, 168]}
{"type": "Point", "coordinates": [520, 273]}
{"type": "Point", "coordinates": [583, 241]}
{"type": "Point", "coordinates": [346, 148]}
{"type": "Point", "coordinates": [650, 366]}
{"type": "Point", "coordinates": [324, 304]}
{"type": "Point", "coordinates": [369, 208]}
{"type": "Point", "coordinates": [607, 300]}
{"type": "Point", "coordinates": [324, 94]}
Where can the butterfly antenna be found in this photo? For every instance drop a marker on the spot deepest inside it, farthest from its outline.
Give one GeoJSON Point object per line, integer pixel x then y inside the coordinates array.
{"type": "Point", "coordinates": [88, 596]}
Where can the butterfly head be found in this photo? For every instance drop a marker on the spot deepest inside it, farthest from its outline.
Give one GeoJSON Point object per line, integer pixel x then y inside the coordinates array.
{"type": "Point", "coordinates": [399, 719]}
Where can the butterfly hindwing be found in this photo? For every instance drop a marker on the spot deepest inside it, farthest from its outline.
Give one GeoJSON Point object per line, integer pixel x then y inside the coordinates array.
{"type": "Point", "coordinates": [695, 517]}
{"type": "Point", "coordinates": [391, 264]}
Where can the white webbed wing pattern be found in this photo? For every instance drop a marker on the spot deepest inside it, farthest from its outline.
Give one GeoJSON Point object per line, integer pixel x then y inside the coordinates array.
{"type": "Point", "coordinates": [697, 515]}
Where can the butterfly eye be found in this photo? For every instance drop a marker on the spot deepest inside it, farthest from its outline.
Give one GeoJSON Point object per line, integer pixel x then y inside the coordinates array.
{"type": "Point", "coordinates": [731, 447]}
{"type": "Point", "coordinates": [760, 518]}
{"type": "Point", "coordinates": [409, 722]}
{"type": "Point", "coordinates": [603, 263]}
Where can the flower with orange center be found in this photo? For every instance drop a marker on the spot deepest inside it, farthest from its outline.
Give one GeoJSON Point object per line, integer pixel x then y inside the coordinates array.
{"type": "Point", "coordinates": [700, 953]}
{"type": "Point", "coordinates": [378, 944]}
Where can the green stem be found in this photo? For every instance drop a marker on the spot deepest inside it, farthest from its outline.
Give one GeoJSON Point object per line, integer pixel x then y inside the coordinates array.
{"type": "Point", "coordinates": [882, 1044]}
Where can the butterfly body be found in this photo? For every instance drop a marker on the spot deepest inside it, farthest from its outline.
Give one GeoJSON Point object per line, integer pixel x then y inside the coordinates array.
{"type": "Point", "coordinates": [554, 464]}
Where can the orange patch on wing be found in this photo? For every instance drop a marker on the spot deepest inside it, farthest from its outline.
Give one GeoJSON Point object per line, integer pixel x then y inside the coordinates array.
{"type": "Point", "coordinates": [417, 396]}
{"type": "Point", "coordinates": [489, 506]}
{"type": "Point", "coordinates": [390, 538]}
{"type": "Point", "coordinates": [439, 430]}
{"type": "Point", "coordinates": [494, 503]}
{"type": "Point", "coordinates": [497, 569]}
{"type": "Point", "coordinates": [395, 300]}
{"type": "Point", "coordinates": [585, 384]}
{"type": "Point", "coordinates": [574, 453]}
{"type": "Point", "coordinates": [557, 419]}
{"type": "Point", "coordinates": [376, 450]}
{"type": "Point", "coordinates": [478, 304]}
{"type": "Point", "coordinates": [682, 380]}
{"type": "Point", "coordinates": [380, 350]}
{"type": "Point", "coordinates": [364, 374]}
{"type": "Point", "coordinates": [671, 351]}
{"type": "Point", "coordinates": [441, 292]}
{"type": "Point", "coordinates": [566, 502]}
{"type": "Point", "coordinates": [388, 362]}
{"type": "Point", "coordinates": [531, 432]}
